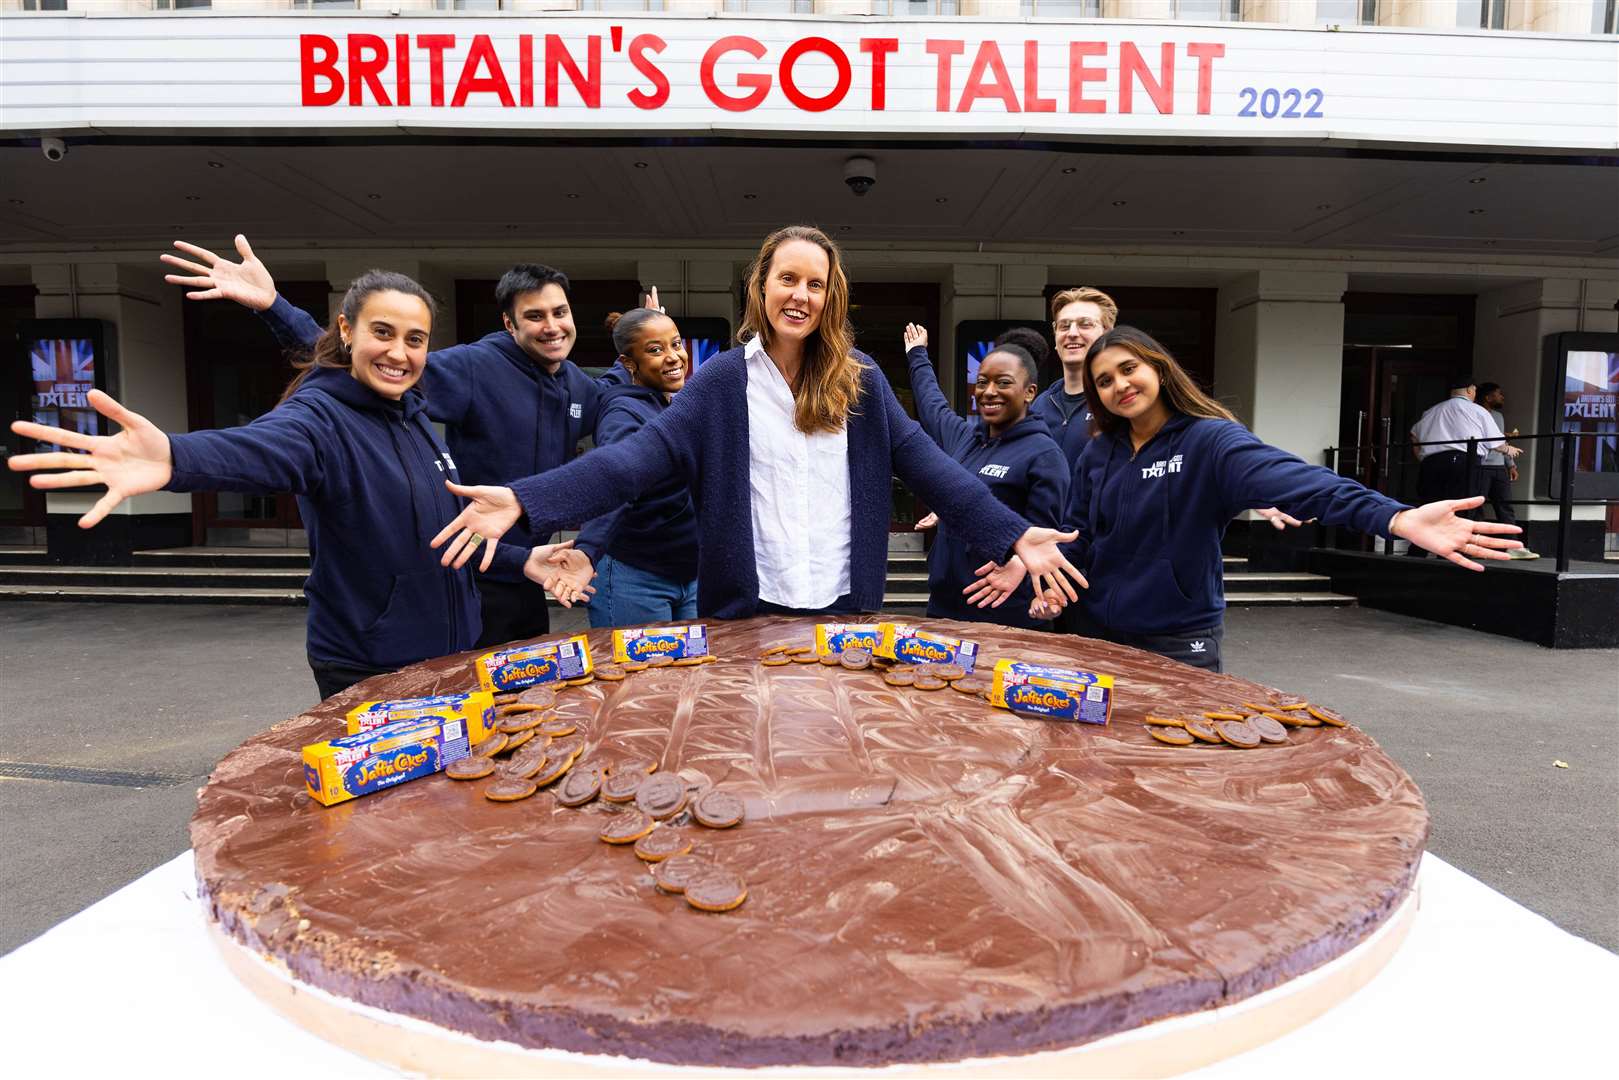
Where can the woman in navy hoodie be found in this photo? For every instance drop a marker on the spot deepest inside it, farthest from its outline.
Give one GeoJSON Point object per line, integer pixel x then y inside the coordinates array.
{"type": "Point", "coordinates": [1153, 492]}
{"type": "Point", "coordinates": [788, 444]}
{"type": "Point", "coordinates": [1008, 449]}
{"type": "Point", "coordinates": [644, 554]}
{"type": "Point", "coordinates": [351, 439]}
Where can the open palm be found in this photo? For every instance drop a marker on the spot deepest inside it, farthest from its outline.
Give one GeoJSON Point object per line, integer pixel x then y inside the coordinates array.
{"type": "Point", "coordinates": [133, 462]}
{"type": "Point", "coordinates": [214, 278]}
{"type": "Point", "coordinates": [489, 512]}
{"type": "Point", "coordinates": [1440, 528]}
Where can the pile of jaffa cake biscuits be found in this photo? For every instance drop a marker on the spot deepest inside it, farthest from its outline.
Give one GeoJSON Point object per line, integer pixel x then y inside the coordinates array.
{"type": "Point", "coordinates": [652, 809]}
{"type": "Point", "coordinates": [1245, 728]}
{"type": "Point", "coordinates": [916, 676]}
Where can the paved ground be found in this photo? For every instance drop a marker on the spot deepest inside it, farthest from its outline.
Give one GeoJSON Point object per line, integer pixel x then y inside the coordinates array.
{"type": "Point", "coordinates": [1477, 720]}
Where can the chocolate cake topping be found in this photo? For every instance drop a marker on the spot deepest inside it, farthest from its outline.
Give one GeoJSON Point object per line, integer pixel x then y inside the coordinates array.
{"type": "Point", "coordinates": [581, 785]}
{"type": "Point", "coordinates": [719, 810]}
{"type": "Point", "coordinates": [716, 890]}
{"type": "Point", "coordinates": [929, 877]}
{"type": "Point", "coordinates": [672, 873]}
{"type": "Point", "coordinates": [660, 844]}
{"type": "Point", "coordinates": [662, 795]}
{"type": "Point", "coordinates": [622, 786]}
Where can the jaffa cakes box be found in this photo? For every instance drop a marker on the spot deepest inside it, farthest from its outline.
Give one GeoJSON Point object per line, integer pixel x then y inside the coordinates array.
{"type": "Point", "coordinates": [477, 708]}
{"type": "Point", "coordinates": [834, 637]}
{"type": "Point", "coordinates": [675, 642]}
{"type": "Point", "coordinates": [531, 665]}
{"type": "Point", "coordinates": [1057, 693]}
{"type": "Point", "coordinates": [353, 765]}
{"type": "Point", "coordinates": [906, 644]}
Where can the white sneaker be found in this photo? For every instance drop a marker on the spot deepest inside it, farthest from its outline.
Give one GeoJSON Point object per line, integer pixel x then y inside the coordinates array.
{"type": "Point", "coordinates": [1522, 553]}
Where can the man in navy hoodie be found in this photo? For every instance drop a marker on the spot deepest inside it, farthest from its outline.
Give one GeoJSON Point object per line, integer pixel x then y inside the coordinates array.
{"type": "Point", "coordinates": [512, 404]}
{"type": "Point", "coordinates": [1078, 317]}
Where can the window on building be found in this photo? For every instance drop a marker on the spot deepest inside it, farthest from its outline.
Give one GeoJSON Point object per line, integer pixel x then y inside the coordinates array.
{"type": "Point", "coordinates": [621, 5]}
{"type": "Point", "coordinates": [1208, 10]}
{"type": "Point", "coordinates": [1483, 14]}
{"type": "Point", "coordinates": [1605, 17]}
{"type": "Point", "coordinates": [772, 7]}
{"type": "Point", "coordinates": [1062, 9]}
{"type": "Point", "coordinates": [1346, 12]}
{"type": "Point", "coordinates": [451, 5]}
{"type": "Point", "coordinates": [44, 5]}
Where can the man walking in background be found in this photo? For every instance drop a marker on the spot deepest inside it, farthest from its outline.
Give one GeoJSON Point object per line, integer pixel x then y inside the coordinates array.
{"type": "Point", "coordinates": [1500, 473]}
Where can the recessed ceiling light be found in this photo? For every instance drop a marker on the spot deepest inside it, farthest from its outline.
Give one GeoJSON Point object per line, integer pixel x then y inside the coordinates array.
{"type": "Point", "coordinates": [1489, 243]}
{"type": "Point", "coordinates": [193, 198]}
{"type": "Point", "coordinates": [942, 199]}
{"type": "Point", "coordinates": [1476, 210]}
{"type": "Point", "coordinates": [1069, 171]}
{"type": "Point", "coordinates": [1323, 206]}
{"type": "Point", "coordinates": [373, 196]}
{"type": "Point", "coordinates": [15, 202]}
{"type": "Point", "coordinates": [573, 194]}
{"type": "Point", "coordinates": [750, 196]}
{"type": "Point", "coordinates": [1178, 232]}
{"type": "Point", "coordinates": [511, 228]}
{"type": "Point", "coordinates": [1120, 202]}
{"type": "Point", "coordinates": [1478, 179]}
{"type": "Point", "coordinates": [216, 164]}
{"type": "Point", "coordinates": [640, 165]}
{"type": "Point", "coordinates": [843, 228]}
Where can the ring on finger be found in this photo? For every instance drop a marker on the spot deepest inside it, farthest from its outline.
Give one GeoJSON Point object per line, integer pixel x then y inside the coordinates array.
{"type": "Point", "coordinates": [473, 540]}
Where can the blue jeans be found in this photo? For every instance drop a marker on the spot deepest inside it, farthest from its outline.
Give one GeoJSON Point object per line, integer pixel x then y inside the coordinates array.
{"type": "Point", "coordinates": [627, 595]}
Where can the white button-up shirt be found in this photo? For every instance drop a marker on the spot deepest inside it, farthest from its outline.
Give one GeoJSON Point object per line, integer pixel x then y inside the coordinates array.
{"type": "Point", "coordinates": [800, 489]}
{"type": "Point", "coordinates": [1451, 423]}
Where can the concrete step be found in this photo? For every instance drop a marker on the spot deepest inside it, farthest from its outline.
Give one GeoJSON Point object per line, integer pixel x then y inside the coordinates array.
{"type": "Point", "coordinates": [165, 577]}
{"type": "Point", "coordinates": [23, 556]}
{"type": "Point", "coordinates": [224, 557]}
{"type": "Point", "coordinates": [150, 594]}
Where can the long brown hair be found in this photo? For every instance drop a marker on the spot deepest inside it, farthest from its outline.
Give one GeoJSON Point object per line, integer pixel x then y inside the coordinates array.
{"type": "Point", "coordinates": [329, 350]}
{"type": "Point", "coordinates": [829, 382]}
{"type": "Point", "coordinates": [1177, 388]}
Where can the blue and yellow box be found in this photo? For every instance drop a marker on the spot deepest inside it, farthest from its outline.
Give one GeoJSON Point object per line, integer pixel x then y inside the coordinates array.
{"type": "Point", "coordinates": [477, 708]}
{"type": "Point", "coordinates": [834, 637]}
{"type": "Point", "coordinates": [523, 666]}
{"type": "Point", "coordinates": [353, 765]}
{"type": "Point", "coordinates": [905, 644]}
{"type": "Point", "coordinates": [675, 642]}
{"type": "Point", "coordinates": [1056, 693]}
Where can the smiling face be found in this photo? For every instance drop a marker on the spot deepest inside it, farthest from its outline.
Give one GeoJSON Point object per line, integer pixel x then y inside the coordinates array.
{"type": "Point", "coordinates": [795, 290]}
{"type": "Point", "coordinates": [1003, 391]}
{"type": "Point", "coordinates": [388, 342]}
{"type": "Point", "coordinates": [658, 358]}
{"type": "Point", "coordinates": [541, 322]}
{"type": "Point", "coordinates": [1075, 328]}
{"type": "Point", "coordinates": [1126, 386]}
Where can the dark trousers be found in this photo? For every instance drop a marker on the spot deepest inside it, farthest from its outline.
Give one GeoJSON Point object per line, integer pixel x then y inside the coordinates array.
{"type": "Point", "coordinates": [512, 611]}
{"type": "Point", "coordinates": [1497, 490]}
{"type": "Point", "coordinates": [1445, 476]}
{"type": "Point", "coordinates": [1199, 648]}
{"type": "Point", "coordinates": [333, 679]}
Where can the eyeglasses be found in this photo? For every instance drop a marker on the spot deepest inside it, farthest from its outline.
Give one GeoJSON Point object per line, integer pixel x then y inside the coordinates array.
{"type": "Point", "coordinates": [1062, 326]}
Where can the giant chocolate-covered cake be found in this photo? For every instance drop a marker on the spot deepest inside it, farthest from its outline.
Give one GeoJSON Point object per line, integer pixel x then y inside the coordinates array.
{"type": "Point", "coordinates": [929, 878]}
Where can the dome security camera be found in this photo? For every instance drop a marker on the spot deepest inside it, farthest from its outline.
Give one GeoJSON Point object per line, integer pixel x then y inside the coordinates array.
{"type": "Point", "coordinates": [860, 173]}
{"type": "Point", "coordinates": [54, 149]}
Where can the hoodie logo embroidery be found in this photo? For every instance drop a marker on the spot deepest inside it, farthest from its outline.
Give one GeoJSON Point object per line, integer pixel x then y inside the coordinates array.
{"type": "Point", "coordinates": [576, 410]}
{"type": "Point", "coordinates": [995, 472]}
{"type": "Point", "coordinates": [1197, 646]}
{"type": "Point", "coordinates": [1160, 468]}
{"type": "Point", "coordinates": [445, 463]}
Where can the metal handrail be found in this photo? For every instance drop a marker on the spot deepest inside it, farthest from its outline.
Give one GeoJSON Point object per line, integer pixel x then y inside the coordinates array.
{"type": "Point", "coordinates": [1565, 496]}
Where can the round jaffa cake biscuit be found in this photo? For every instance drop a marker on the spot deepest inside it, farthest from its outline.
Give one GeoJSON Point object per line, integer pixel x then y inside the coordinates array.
{"type": "Point", "coordinates": [878, 823]}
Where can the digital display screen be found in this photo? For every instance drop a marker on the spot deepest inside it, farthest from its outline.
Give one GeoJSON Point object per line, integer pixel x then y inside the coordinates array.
{"type": "Point", "coordinates": [64, 372]}
{"type": "Point", "coordinates": [1590, 404]}
{"type": "Point", "coordinates": [705, 337]}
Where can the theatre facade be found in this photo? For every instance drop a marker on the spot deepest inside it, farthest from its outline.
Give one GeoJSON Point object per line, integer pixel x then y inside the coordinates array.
{"type": "Point", "coordinates": [1325, 209]}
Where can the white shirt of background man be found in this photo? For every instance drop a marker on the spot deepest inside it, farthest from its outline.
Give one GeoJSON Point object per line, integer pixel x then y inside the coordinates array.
{"type": "Point", "coordinates": [800, 489]}
{"type": "Point", "coordinates": [1451, 423]}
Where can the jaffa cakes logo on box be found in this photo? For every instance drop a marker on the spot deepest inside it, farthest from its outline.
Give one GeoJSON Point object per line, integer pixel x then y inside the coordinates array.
{"type": "Point", "coordinates": [928, 652]}
{"type": "Point", "coordinates": [388, 768]}
{"type": "Point", "coordinates": [534, 669]}
{"type": "Point", "coordinates": [852, 639]}
{"type": "Point", "coordinates": [1039, 698]}
{"type": "Point", "coordinates": [661, 645]}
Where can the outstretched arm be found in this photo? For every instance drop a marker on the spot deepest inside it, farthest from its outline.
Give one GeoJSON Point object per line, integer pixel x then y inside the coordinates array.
{"type": "Point", "coordinates": [133, 462]}
{"type": "Point", "coordinates": [933, 410]}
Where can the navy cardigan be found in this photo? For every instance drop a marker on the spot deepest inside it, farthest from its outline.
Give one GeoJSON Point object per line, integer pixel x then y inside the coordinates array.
{"type": "Point", "coordinates": [703, 434]}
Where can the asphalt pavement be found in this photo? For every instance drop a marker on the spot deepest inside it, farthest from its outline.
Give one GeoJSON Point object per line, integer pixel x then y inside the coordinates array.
{"type": "Point", "coordinates": [112, 715]}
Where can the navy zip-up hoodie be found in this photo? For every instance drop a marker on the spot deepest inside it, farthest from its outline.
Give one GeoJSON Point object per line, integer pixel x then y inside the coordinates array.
{"type": "Point", "coordinates": [703, 435]}
{"type": "Point", "coordinates": [1023, 467]}
{"type": "Point", "coordinates": [1150, 521]}
{"type": "Point", "coordinates": [504, 416]}
{"type": "Point", "coordinates": [1071, 432]}
{"type": "Point", "coordinates": [369, 475]}
{"type": "Point", "coordinates": [657, 532]}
